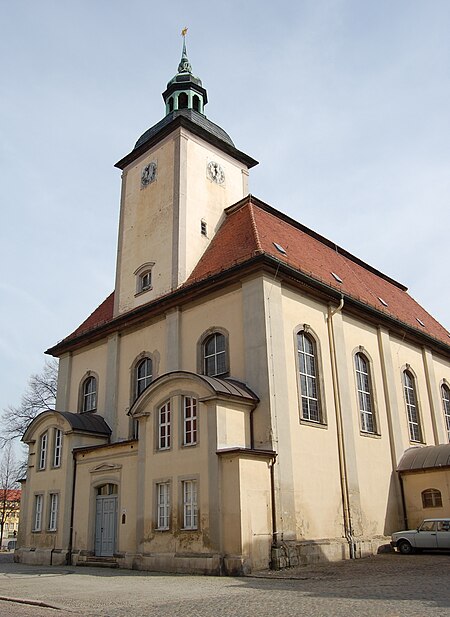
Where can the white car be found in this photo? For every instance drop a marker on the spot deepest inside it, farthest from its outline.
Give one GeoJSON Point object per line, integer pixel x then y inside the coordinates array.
{"type": "Point", "coordinates": [431, 534]}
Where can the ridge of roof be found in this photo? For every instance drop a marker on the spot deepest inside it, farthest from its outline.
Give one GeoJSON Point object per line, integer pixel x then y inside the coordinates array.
{"type": "Point", "coordinates": [251, 230]}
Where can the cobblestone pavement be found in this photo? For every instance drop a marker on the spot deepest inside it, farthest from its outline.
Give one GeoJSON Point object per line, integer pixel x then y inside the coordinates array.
{"type": "Point", "coordinates": [389, 585]}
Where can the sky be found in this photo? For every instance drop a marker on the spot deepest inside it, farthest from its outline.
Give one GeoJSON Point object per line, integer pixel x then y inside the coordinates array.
{"type": "Point", "coordinates": [345, 104]}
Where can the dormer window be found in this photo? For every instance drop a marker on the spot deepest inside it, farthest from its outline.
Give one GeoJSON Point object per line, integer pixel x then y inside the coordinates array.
{"type": "Point", "coordinates": [144, 278]}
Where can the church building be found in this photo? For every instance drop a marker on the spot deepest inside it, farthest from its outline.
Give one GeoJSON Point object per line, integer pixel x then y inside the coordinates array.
{"type": "Point", "coordinates": [244, 397]}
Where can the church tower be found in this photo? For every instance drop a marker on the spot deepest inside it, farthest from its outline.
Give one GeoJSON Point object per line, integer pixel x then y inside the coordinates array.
{"type": "Point", "coordinates": [176, 182]}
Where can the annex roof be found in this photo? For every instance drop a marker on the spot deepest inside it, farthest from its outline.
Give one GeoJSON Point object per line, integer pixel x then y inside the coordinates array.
{"type": "Point", "coordinates": [252, 228]}
{"type": "Point", "coordinates": [428, 457]}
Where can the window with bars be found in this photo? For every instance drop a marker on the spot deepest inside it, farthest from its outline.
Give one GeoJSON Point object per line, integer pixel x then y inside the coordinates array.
{"type": "Point", "coordinates": [43, 443]}
{"type": "Point", "coordinates": [53, 512]}
{"type": "Point", "coordinates": [445, 391]}
{"type": "Point", "coordinates": [431, 498]}
{"type": "Point", "coordinates": [57, 447]}
{"type": "Point", "coordinates": [164, 426]}
{"type": "Point", "coordinates": [214, 355]}
{"type": "Point", "coordinates": [143, 375]}
{"type": "Point", "coordinates": [163, 505]}
{"type": "Point", "coordinates": [415, 432]}
{"type": "Point", "coordinates": [89, 402]}
{"type": "Point", "coordinates": [365, 397]}
{"type": "Point", "coordinates": [309, 390]}
{"type": "Point", "coordinates": [38, 502]}
{"type": "Point", "coordinates": [190, 512]}
{"type": "Point", "coordinates": [189, 421]}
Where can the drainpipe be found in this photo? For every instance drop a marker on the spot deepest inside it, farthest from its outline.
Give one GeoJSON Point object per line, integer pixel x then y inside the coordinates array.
{"type": "Point", "coordinates": [348, 527]}
{"type": "Point", "coordinates": [72, 511]}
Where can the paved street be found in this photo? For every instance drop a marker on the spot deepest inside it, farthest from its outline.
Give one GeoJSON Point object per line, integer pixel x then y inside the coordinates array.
{"type": "Point", "coordinates": [383, 586]}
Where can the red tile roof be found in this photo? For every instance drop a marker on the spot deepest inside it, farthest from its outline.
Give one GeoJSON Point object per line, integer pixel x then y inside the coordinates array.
{"type": "Point", "coordinates": [251, 228]}
{"type": "Point", "coordinates": [11, 494]}
{"type": "Point", "coordinates": [102, 314]}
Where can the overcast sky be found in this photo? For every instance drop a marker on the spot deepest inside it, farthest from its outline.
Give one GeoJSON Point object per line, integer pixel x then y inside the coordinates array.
{"type": "Point", "coordinates": [345, 103]}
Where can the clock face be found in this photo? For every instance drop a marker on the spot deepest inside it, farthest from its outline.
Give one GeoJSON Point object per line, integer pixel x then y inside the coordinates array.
{"type": "Point", "coordinates": [148, 174]}
{"type": "Point", "coordinates": [215, 172]}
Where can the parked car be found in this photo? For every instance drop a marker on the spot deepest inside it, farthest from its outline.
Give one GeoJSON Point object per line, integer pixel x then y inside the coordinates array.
{"type": "Point", "coordinates": [431, 534]}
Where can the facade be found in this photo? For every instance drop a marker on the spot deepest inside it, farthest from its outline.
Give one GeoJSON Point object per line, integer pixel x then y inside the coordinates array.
{"type": "Point", "coordinates": [244, 396]}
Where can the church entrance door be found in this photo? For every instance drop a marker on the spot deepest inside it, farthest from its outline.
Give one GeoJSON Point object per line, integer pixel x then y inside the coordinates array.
{"type": "Point", "coordinates": [106, 521]}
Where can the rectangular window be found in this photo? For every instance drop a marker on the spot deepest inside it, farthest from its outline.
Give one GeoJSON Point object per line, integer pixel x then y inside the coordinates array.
{"type": "Point", "coordinates": [190, 504]}
{"type": "Point", "coordinates": [164, 427]}
{"type": "Point", "coordinates": [43, 451]}
{"type": "Point", "coordinates": [53, 513]}
{"type": "Point", "coordinates": [38, 499]}
{"type": "Point", "coordinates": [190, 421]}
{"type": "Point", "coordinates": [57, 448]}
{"type": "Point", "coordinates": [163, 505]}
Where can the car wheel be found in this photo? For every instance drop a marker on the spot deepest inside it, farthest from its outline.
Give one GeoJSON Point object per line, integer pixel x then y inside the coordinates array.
{"type": "Point", "coordinates": [405, 548]}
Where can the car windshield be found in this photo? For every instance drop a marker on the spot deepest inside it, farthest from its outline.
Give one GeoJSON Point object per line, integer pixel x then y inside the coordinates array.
{"type": "Point", "coordinates": [428, 526]}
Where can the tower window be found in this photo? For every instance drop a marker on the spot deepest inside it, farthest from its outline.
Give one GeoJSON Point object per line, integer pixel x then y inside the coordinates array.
{"type": "Point", "coordinates": [143, 375]}
{"type": "Point", "coordinates": [196, 102]}
{"type": "Point", "coordinates": [203, 228]}
{"type": "Point", "coordinates": [171, 103]}
{"type": "Point", "coordinates": [183, 100]}
{"type": "Point", "coordinates": [144, 277]}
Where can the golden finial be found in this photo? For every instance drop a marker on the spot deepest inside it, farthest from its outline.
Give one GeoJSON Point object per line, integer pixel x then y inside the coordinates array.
{"type": "Point", "coordinates": [184, 31]}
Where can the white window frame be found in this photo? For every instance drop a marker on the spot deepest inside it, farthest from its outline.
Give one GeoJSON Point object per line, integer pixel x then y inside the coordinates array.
{"type": "Point", "coordinates": [216, 356]}
{"type": "Point", "coordinates": [53, 512]}
{"type": "Point", "coordinates": [38, 504]}
{"type": "Point", "coordinates": [190, 421]}
{"type": "Point", "coordinates": [89, 394]}
{"type": "Point", "coordinates": [445, 392]}
{"type": "Point", "coordinates": [190, 504]}
{"type": "Point", "coordinates": [308, 379]}
{"type": "Point", "coordinates": [43, 445]}
{"type": "Point", "coordinates": [364, 392]}
{"type": "Point", "coordinates": [163, 506]}
{"type": "Point", "coordinates": [164, 426]}
{"type": "Point", "coordinates": [57, 447]}
{"type": "Point", "coordinates": [145, 380]}
{"type": "Point", "coordinates": [412, 408]}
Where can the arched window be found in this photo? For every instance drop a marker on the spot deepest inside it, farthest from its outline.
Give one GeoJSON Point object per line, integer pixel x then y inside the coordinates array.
{"type": "Point", "coordinates": [409, 386]}
{"type": "Point", "coordinates": [309, 389]}
{"type": "Point", "coordinates": [171, 103]}
{"type": "Point", "coordinates": [431, 498]}
{"type": "Point", "coordinates": [445, 390]}
{"type": "Point", "coordinates": [365, 397]}
{"type": "Point", "coordinates": [196, 102]}
{"type": "Point", "coordinates": [89, 402]}
{"type": "Point", "coordinates": [143, 375]}
{"type": "Point", "coordinates": [182, 100]}
{"type": "Point", "coordinates": [214, 355]}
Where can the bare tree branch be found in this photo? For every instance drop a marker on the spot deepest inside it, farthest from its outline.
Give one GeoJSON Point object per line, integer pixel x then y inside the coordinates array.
{"type": "Point", "coordinates": [39, 396]}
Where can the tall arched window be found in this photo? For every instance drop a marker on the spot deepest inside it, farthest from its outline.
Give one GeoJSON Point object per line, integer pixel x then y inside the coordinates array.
{"type": "Point", "coordinates": [143, 375]}
{"type": "Point", "coordinates": [409, 386]}
{"type": "Point", "coordinates": [196, 102]}
{"type": "Point", "coordinates": [309, 389]}
{"type": "Point", "coordinates": [445, 390]}
{"type": "Point", "coordinates": [365, 396]}
{"type": "Point", "coordinates": [89, 402]}
{"type": "Point", "coordinates": [214, 355]}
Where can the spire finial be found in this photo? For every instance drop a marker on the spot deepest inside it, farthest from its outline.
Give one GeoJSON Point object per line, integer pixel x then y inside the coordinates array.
{"type": "Point", "coordinates": [185, 65]}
